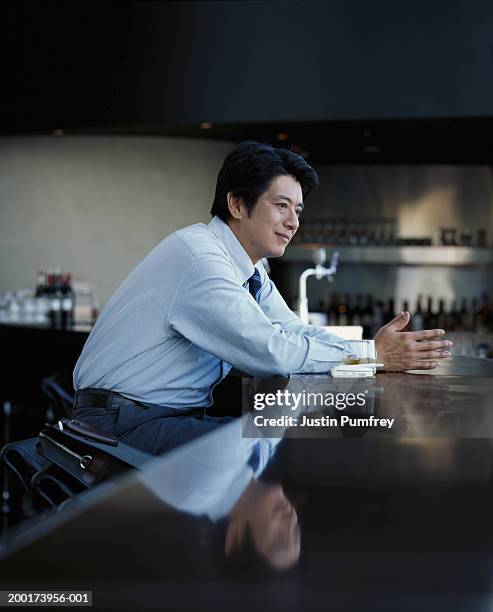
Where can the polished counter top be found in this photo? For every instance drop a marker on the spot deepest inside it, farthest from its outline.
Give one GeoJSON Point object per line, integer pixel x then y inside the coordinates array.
{"type": "Point", "coordinates": [377, 518]}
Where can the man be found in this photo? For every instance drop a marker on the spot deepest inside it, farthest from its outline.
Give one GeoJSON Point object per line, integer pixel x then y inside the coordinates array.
{"type": "Point", "coordinates": [220, 479]}
{"type": "Point", "coordinates": [201, 302]}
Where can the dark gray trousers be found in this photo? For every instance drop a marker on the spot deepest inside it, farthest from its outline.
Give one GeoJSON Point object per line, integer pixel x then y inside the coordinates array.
{"type": "Point", "coordinates": [147, 427]}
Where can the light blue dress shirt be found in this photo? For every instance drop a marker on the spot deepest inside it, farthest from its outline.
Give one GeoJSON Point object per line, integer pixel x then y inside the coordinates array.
{"type": "Point", "coordinates": [183, 317]}
{"type": "Point", "coordinates": [209, 475]}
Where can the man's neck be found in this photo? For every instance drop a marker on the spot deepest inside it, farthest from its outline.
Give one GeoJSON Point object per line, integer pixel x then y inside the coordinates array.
{"type": "Point", "coordinates": [234, 226]}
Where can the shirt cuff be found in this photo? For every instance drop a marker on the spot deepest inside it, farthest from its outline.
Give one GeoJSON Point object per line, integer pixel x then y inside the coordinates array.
{"type": "Point", "coordinates": [361, 348]}
{"type": "Point", "coordinates": [322, 355]}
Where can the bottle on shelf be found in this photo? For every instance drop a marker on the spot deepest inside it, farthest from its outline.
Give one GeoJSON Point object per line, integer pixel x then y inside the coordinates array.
{"type": "Point", "coordinates": [389, 312]}
{"type": "Point", "coordinates": [464, 319]}
{"type": "Point", "coordinates": [357, 311]}
{"type": "Point", "coordinates": [465, 238]}
{"type": "Point", "coordinates": [441, 316]}
{"type": "Point", "coordinates": [430, 319]}
{"type": "Point", "coordinates": [417, 321]}
{"type": "Point", "coordinates": [332, 312]}
{"type": "Point", "coordinates": [483, 315]}
{"type": "Point", "coordinates": [40, 284]}
{"type": "Point", "coordinates": [473, 315]}
{"type": "Point", "coordinates": [367, 317]}
{"type": "Point", "coordinates": [452, 317]}
{"type": "Point", "coordinates": [378, 319]}
{"type": "Point", "coordinates": [342, 317]}
{"type": "Point", "coordinates": [488, 314]}
{"type": "Point", "coordinates": [481, 238]}
{"type": "Point", "coordinates": [55, 297]}
{"type": "Point", "coordinates": [68, 302]}
{"type": "Point", "coordinates": [349, 309]}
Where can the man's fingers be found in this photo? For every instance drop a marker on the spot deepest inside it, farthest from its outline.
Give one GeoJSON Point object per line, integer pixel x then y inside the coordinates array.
{"type": "Point", "coordinates": [425, 333]}
{"type": "Point", "coordinates": [432, 345]}
{"type": "Point", "coordinates": [433, 355]}
{"type": "Point", "coordinates": [423, 365]}
{"type": "Point", "coordinates": [399, 322]}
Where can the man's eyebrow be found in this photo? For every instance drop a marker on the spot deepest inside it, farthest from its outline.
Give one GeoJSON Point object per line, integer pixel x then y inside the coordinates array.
{"type": "Point", "coordinates": [284, 197]}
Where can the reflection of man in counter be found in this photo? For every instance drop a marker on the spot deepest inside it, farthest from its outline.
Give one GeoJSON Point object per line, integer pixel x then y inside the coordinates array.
{"type": "Point", "coordinates": [218, 477]}
{"type": "Point", "coordinates": [201, 302]}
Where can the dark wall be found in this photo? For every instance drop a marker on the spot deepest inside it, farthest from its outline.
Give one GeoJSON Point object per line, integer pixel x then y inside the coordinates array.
{"type": "Point", "coordinates": [154, 63]}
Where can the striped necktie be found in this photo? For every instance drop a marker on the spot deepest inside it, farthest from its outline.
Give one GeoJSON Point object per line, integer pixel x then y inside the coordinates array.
{"type": "Point", "coordinates": [254, 284]}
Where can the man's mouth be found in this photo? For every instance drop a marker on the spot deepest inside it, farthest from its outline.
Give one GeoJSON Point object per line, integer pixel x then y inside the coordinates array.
{"type": "Point", "coordinates": [285, 237]}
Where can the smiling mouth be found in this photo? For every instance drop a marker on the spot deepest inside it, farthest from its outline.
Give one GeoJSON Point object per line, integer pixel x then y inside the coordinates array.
{"type": "Point", "coordinates": [284, 236]}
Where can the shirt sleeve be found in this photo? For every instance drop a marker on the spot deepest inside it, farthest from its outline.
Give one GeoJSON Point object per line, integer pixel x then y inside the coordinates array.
{"type": "Point", "coordinates": [273, 304]}
{"type": "Point", "coordinates": [215, 312]}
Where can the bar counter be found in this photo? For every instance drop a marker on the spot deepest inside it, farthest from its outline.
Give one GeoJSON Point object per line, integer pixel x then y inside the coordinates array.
{"type": "Point", "coordinates": [388, 519]}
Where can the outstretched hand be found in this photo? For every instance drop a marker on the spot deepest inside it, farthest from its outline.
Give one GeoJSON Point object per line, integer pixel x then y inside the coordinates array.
{"type": "Point", "coordinates": [399, 350]}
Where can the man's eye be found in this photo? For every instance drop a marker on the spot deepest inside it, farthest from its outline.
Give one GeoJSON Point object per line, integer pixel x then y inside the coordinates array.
{"type": "Point", "coordinates": [282, 204]}
{"type": "Point", "coordinates": [298, 211]}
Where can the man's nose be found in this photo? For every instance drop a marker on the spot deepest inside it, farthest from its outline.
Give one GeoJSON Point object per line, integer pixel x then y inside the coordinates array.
{"type": "Point", "coordinates": [292, 221]}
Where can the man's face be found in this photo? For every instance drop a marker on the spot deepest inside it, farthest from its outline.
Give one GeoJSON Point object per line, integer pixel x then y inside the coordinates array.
{"type": "Point", "coordinates": [275, 530]}
{"type": "Point", "coordinates": [274, 220]}
{"type": "Point", "coordinates": [273, 524]}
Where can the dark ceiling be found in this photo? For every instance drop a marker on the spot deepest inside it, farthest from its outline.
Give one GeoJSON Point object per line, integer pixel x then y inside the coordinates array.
{"type": "Point", "coordinates": [347, 82]}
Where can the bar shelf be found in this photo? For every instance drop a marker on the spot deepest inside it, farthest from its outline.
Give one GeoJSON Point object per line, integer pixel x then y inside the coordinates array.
{"type": "Point", "coordinates": [396, 255]}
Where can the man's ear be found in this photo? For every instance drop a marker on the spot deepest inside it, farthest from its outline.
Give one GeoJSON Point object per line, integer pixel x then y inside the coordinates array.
{"type": "Point", "coordinates": [235, 206]}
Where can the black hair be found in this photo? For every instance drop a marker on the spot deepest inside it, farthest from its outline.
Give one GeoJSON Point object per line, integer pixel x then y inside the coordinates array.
{"type": "Point", "coordinates": [248, 170]}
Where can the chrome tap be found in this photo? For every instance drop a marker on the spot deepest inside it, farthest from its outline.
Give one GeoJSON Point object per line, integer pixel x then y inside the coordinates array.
{"type": "Point", "coordinates": [320, 271]}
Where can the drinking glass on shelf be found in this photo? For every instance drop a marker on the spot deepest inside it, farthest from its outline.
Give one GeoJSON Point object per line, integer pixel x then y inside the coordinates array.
{"type": "Point", "coordinates": [329, 232]}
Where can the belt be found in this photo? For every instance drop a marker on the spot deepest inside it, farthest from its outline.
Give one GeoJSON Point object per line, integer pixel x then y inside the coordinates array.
{"type": "Point", "coordinates": [96, 398]}
{"type": "Point", "coordinates": [99, 398]}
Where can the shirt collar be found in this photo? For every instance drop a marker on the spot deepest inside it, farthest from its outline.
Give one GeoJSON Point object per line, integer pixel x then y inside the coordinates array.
{"type": "Point", "coordinates": [240, 258]}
